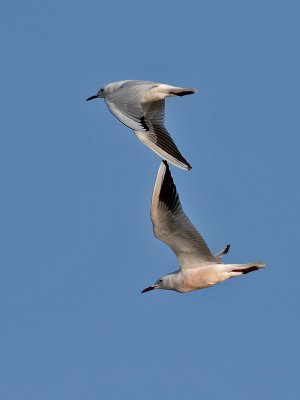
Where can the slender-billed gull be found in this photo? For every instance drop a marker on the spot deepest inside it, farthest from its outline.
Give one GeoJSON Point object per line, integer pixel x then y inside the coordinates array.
{"type": "Point", "coordinates": [140, 105]}
{"type": "Point", "coordinates": [198, 267]}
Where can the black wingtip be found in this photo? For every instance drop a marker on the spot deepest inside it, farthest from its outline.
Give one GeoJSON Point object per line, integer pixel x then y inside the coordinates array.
{"type": "Point", "coordinates": [167, 175]}
{"type": "Point", "coordinates": [227, 248]}
{"type": "Point", "coordinates": [168, 193]}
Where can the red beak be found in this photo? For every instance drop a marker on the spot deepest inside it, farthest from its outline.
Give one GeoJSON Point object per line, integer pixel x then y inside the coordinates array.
{"type": "Point", "coordinates": [148, 289]}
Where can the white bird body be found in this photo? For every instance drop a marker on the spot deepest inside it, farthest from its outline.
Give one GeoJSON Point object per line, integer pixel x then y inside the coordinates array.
{"type": "Point", "coordinates": [140, 105]}
{"type": "Point", "coordinates": [199, 268]}
{"type": "Point", "coordinates": [205, 276]}
{"type": "Point", "coordinates": [202, 277]}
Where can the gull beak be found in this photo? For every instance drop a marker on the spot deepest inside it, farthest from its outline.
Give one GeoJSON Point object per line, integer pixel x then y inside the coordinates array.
{"type": "Point", "coordinates": [92, 97]}
{"type": "Point", "coordinates": [148, 289]}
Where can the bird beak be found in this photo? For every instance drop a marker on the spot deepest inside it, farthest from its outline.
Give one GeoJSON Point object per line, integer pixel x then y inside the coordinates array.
{"type": "Point", "coordinates": [148, 289]}
{"type": "Point", "coordinates": [92, 97]}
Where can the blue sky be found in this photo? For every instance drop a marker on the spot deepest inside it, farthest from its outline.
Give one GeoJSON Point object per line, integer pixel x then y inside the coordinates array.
{"type": "Point", "coordinates": [76, 238]}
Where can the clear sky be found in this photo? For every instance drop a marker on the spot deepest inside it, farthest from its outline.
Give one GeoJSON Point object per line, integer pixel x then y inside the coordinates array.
{"type": "Point", "coordinates": [75, 234]}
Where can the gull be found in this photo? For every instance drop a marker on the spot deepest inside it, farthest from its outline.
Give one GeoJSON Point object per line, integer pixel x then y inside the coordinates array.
{"type": "Point", "coordinates": [198, 267]}
{"type": "Point", "coordinates": [140, 105]}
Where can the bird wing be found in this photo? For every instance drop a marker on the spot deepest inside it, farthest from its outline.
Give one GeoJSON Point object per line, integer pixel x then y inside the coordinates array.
{"type": "Point", "coordinates": [125, 104]}
{"type": "Point", "coordinates": [156, 136]}
{"type": "Point", "coordinates": [173, 227]}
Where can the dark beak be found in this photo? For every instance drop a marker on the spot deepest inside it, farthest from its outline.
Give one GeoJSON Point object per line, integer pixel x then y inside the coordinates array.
{"type": "Point", "coordinates": [148, 289]}
{"type": "Point", "coordinates": [92, 98]}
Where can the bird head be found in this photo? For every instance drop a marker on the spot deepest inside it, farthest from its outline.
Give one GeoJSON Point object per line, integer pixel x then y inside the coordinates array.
{"type": "Point", "coordinates": [167, 282]}
{"type": "Point", "coordinates": [106, 90]}
{"type": "Point", "coordinates": [100, 94]}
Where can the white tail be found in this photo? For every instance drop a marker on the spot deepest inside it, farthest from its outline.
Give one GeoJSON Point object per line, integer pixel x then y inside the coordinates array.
{"type": "Point", "coordinates": [175, 91]}
{"type": "Point", "coordinates": [245, 268]}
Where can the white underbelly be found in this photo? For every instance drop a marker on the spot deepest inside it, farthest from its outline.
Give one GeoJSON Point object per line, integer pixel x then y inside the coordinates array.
{"type": "Point", "coordinates": [201, 278]}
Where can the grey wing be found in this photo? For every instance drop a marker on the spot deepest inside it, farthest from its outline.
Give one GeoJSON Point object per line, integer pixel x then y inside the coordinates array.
{"type": "Point", "coordinates": [156, 136]}
{"type": "Point", "coordinates": [125, 104]}
{"type": "Point", "coordinates": [173, 227]}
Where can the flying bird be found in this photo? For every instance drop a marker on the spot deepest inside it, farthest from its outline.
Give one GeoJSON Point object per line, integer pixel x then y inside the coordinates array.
{"type": "Point", "coordinates": [140, 105]}
{"type": "Point", "coordinates": [198, 267]}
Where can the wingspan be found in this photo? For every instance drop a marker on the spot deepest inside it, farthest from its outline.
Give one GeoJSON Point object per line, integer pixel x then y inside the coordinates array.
{"type": "Point", "coordinates": [173, 227]}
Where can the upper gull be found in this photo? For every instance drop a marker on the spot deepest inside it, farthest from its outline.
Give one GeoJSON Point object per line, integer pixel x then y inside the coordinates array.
{"type": "Point", "coordinates": [140, 105]}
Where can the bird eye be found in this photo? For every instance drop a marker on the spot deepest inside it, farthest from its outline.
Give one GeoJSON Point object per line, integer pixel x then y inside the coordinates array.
{"type": "Point", "coordinates": [160, 280]}
{"type": "Point", "coordinates": [101, 90]}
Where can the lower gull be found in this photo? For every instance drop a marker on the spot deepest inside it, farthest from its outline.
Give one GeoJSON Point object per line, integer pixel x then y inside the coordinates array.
{"type": "Point", "coordinates": [198, 267]}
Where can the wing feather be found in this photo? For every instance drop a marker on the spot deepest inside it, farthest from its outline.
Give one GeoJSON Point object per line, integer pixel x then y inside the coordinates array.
{"type": "Point", "coordinates": [157, 137]}
{"type": "Point", "coordinates": [173, 227]}
{"type": "Point", "coordinates": [125, 104]}
{"type": "Point", "coordinates": [131, 105]}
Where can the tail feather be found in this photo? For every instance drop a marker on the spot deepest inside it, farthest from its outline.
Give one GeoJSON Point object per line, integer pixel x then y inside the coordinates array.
{"type": "Point", "coordinates": [181, 91]}
{"type": "Point", "coordinates": [184, 92]}
{"type": "Point", "coordinates": [246, 268]}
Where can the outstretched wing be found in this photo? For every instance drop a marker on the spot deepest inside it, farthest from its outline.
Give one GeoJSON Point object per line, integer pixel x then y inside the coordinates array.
{"type": "Point", "coordinates": [172, 226]}
{"type": "Point", "coordinates": [156, 135]}
{"type": "Point", "coordinates": [125, 104]}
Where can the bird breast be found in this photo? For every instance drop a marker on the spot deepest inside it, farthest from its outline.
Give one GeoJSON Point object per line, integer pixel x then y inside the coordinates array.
{"type": "Point", "coordinates": [203, 277]}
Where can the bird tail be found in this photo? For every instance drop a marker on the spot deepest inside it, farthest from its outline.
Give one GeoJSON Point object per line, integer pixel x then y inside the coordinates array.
{"type": "Point", "coordinates": [240, 269]}
{"type": "Point", "coordinates": [175, 91]}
